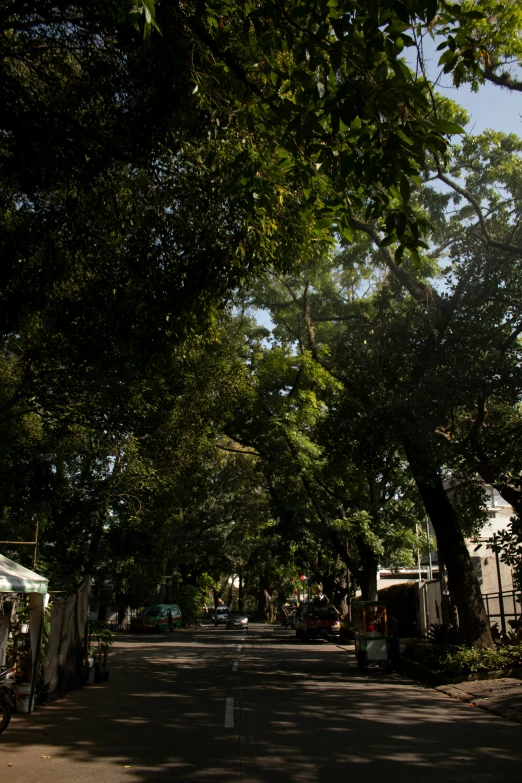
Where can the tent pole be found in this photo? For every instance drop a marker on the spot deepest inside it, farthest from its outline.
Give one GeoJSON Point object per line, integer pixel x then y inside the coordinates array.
{"type": "Point", "coordinates": [35, 546]}
{"type": "Point", "coordinates": [36, 662]}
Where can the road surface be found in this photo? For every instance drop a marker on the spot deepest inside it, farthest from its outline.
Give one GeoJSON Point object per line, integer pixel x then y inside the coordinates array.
{"type": "Point", "coordinates": [218, 706]}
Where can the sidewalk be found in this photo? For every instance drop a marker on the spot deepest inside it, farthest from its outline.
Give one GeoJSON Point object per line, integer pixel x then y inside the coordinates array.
{"type": "Point", "coordinates": [502, 697]}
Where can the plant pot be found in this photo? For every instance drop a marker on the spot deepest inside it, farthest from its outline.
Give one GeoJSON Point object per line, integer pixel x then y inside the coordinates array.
{"type": "Point", "coordinates": [23, 695]}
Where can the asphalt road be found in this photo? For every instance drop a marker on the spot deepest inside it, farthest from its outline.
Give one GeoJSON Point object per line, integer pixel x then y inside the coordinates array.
{"type": "Point", "coordinates": [218, 706]}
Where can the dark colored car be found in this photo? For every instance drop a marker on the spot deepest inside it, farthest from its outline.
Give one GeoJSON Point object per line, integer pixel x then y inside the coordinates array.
{"type": "Point", "coordinates": [237, 620]}
{"type": "Point", "coordinates": [317, 621]}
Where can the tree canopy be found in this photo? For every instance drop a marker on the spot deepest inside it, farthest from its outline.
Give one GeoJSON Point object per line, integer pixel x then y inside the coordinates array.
{"type": "Point", "coordinates": [166, 167]}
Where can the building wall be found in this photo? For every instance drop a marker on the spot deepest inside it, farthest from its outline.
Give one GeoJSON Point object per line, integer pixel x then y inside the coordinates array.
{"type": "Point", "coordinates": [482, 557]}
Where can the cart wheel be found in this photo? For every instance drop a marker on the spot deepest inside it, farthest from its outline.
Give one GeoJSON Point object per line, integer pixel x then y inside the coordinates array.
{"type": "Point", "coordinates": [5, 716]}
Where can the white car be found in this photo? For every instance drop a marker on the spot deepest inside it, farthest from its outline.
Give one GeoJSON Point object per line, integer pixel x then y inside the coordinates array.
{"type": "Point", "coordinates": [220, 616]}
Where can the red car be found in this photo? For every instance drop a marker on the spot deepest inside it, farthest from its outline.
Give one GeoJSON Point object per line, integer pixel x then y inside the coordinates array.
{"type": "Point", "coordinates": [317, 621]}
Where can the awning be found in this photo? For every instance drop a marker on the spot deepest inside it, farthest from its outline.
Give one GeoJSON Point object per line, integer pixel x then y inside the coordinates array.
{"type": "Point", "coordinates": [14, 578]}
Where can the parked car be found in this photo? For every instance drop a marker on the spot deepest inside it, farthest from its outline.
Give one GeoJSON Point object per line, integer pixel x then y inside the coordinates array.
{"type": "Point", "coordinates": [237, 620]}
{"type": "Point", "coordinates": [317, 621]}
{"type": "Point", "coordinates": [160, 617]}
{"type": "Point", "coordinates": [220, 616]}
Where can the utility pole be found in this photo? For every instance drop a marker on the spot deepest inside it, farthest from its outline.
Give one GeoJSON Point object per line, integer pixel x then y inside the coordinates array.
{"type": "Point", "coordinates": [418, 552]}
{"type": "Point", "coordinates": [430, 567]}
{"type": "Point", "coordinates": [500, 594]}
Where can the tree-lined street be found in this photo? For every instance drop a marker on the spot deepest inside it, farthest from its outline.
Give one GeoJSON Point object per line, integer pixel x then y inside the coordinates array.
{"type": "Point", "coordinates": [301, 713]}
{"type": "Point", "coordinates": [260, 353]}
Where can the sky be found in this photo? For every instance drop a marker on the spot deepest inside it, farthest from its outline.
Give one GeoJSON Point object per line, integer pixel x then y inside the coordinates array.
{"type": "Point", "coordinates": [491, 107]}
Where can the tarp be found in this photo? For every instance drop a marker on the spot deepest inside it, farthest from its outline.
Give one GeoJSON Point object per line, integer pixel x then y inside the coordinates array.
{"type": "Point", "coordinates": [14, 578]}
{"type": "Point", "coordinates": [4, 632]}
{"type": "Point", "coordinates": [66, 654]}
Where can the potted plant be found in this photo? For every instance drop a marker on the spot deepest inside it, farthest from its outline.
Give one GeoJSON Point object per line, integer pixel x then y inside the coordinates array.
{"type": "Point", "coordinates": [99, 640]}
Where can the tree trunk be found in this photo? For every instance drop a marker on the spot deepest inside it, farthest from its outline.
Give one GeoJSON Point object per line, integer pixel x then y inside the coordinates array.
{"type": "Point", "coordinates": [271, 611]}
{"type": "Point", "coordinates": [368, 576]}
{"type": "Point", "coordinates": [261, 606]}
{"type": "Point", "coordinates": [462, 580]}
{"type": "Point", "coordinates": [329, 587]}
{"type": "Point", "coordinates": [240, 594]}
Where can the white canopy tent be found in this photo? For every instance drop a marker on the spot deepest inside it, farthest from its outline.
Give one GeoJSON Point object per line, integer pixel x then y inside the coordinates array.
{"type": "Point", "coordinates": [14, 578]}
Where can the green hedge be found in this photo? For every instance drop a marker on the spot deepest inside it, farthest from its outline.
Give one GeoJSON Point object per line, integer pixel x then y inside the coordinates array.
{"type": "Point", "coordinates": [464, 660]}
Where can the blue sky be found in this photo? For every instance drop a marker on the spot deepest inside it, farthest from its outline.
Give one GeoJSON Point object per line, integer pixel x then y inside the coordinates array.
{"type": "Point", "coordinates": [491, 107]}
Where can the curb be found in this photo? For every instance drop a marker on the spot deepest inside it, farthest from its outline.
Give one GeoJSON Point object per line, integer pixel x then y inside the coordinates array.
{"type": "Point", "coordinates": [446, 685]}
{"type": "Point", "coordinates": [434, 679]}
{"type": "Point", "coordinates": [482, 703]}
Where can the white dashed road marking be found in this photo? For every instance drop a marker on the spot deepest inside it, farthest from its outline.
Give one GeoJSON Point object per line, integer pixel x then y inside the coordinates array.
{"type": "Point", "coordinates": [229, 713]}
{"type": "Point", "coordinates": [235, 665]}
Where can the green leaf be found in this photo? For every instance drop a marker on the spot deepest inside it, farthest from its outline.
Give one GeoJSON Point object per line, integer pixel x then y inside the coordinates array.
{"type": "Point", "coordinates": [388, 240]}
{"type": "Point", "coordinates": [451, 63]}
{"type": "Point", "coordinates": [324, 223]}
{"type": "Point", "coordinates": [403, 137]}
{"type": "Point", "coordinates": [401, 221]}
{"type": "Point", "coordinates": [346, 231]}
{"type": "Point", "coordinates": [405, 189]}
{"type": "Point", "coordinates": [446, 126]}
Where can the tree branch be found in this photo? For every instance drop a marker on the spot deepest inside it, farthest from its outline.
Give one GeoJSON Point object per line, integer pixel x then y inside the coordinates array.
{"type": "Point", "coordinates": [421, 292]}
{"type": "Point", "coordinates": [238, 451]}
{"type": "Point", "coordinates": [503, 79]}
{"type": "Point", "coordinates": [470, 198]}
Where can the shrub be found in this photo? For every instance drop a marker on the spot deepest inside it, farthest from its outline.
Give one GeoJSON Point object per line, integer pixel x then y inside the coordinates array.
{"type": "Point", "coordinates": [440, 633]}
{"type": "Point", "coordinates": [190, 600]}
{"type": "Point", "coordinates": [97, 629]}
{"type": "Point", "coordinates": [457, 659]}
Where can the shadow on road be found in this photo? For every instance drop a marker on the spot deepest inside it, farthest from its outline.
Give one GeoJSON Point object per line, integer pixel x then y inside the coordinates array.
{"type": "Point", "coordinates": [303, 713]}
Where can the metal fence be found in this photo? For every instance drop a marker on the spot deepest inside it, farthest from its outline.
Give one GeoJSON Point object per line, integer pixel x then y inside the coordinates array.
{"type": "Point", "coordinates": [504, 608]}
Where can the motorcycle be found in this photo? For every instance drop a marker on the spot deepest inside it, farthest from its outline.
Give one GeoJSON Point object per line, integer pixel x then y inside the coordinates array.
{"type": "Point", "coordinates": [7, 697]}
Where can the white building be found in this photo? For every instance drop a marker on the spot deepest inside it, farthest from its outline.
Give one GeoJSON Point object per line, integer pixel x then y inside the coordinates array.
{"type": "Point", "coordinates": [495, 577]}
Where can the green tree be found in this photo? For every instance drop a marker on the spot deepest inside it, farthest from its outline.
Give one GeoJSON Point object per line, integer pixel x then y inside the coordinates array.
{"type": "Point", "coordinates": [420, 358]}
{"type": "Point", "coordinates": [349, 504]}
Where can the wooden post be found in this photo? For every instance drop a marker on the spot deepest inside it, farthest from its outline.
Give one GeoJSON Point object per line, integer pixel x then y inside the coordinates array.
{"type": "Point", "coordinates": [35, 546]}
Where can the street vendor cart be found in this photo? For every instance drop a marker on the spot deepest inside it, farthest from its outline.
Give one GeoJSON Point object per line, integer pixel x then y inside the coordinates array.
{"type": "Point", "coordinates": [372, 643]}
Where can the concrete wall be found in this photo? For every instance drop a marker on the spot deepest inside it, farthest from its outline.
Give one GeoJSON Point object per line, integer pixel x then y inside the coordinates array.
{"type": "Point", "coordinates": [483, 558]}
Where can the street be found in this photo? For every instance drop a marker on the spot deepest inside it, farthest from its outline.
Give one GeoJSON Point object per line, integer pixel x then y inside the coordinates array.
{"type": "Point", "coordinates": [211, 705]}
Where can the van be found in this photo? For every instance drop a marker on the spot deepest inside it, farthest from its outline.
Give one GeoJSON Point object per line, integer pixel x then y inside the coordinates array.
{"type": "Point", "coordinates": [157, 618]}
